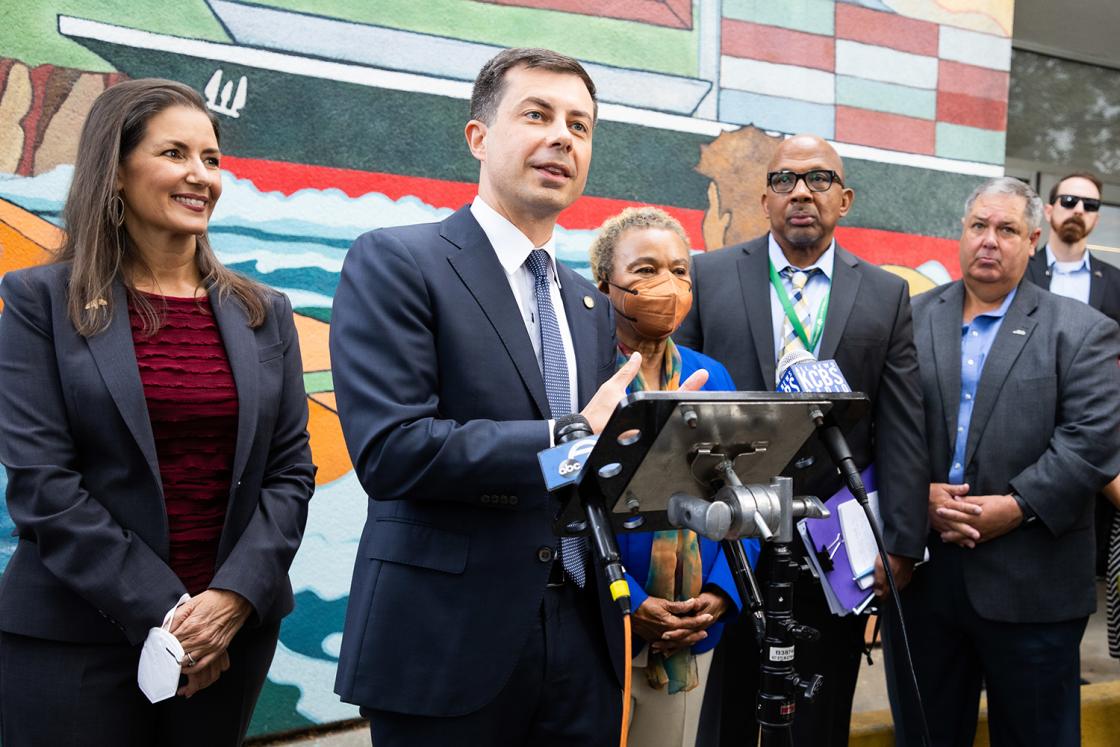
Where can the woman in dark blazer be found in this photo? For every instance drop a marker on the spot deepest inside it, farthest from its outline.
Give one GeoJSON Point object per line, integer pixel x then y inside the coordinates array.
{"type": "Point", "coordinates": [154, 434]}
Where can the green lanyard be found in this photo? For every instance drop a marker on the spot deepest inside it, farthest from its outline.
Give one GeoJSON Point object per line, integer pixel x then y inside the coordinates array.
{"type": "Point", "coordinates": [791, 314]}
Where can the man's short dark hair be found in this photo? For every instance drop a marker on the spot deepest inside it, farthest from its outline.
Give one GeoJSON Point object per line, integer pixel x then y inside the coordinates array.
{"type": "Point", "coordinates": [490, 83]}
{"type": "Point", "coordinates": [1077, 175]}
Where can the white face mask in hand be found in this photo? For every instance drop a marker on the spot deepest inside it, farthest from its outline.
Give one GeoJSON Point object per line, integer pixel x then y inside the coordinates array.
{"type": "Point", "coordinates": [160, 660]}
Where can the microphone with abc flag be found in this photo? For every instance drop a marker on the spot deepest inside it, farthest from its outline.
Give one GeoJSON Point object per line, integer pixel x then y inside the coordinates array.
{"type": "Point", "coordinates": [562, 468]}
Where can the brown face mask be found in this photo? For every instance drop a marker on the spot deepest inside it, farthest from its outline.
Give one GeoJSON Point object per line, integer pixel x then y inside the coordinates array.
{"type": "Point", "coordinates": [654, 307]}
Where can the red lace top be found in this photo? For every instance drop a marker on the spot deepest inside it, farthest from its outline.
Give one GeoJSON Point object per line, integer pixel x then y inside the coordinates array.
{"type": "Point", "coordinates": [192, 404]}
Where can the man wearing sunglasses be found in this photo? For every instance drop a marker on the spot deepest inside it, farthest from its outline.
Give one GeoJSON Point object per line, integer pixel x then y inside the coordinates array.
{"type": "Point", "coordinates": [1066, 267]}
{"type": "Point", "coordinates": [746, 299]}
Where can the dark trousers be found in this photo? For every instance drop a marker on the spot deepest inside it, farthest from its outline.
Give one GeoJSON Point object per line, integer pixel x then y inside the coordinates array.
{"type": "Point", "coordinates": [729, 719]}
{"type": "Point", "coordinates": [563, 690]}
{"type": "Point", "coordinates": [1031, 671]}
{"type": "Point", "coordinates": [59, 694]}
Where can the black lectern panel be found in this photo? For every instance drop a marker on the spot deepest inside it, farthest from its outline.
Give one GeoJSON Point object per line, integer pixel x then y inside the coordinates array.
{"type": "Point", "coordinates": [660, 443]}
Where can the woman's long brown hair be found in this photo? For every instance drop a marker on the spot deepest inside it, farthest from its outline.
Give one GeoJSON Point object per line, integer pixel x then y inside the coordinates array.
{"type": "Point", "coordinates": [98, 250]}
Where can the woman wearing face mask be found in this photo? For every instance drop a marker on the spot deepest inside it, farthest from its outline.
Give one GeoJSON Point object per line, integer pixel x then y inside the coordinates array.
{"type": "Point", "coordinates": [680, 584]}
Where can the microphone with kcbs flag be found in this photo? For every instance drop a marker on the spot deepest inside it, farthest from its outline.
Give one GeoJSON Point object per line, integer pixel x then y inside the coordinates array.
{"type": "Point", "coordinates": [799, 371]}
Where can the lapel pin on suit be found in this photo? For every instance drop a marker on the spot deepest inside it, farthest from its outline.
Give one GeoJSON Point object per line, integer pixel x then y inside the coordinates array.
{"type": "Point", "coordinates": [96, 303]}
{"type": "Point", "coordinates": [589, 302]}
{"type": "Point", "coordinates": [1018, 332]}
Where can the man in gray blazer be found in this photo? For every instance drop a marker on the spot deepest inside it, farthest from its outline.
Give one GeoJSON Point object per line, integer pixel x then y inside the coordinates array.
{"type": "Point", "coordinates": [1019, 387]}
{"type": "Point", "coordinates": [1064, 265]}
{"type": "Point", "coordinates": [859, 315]}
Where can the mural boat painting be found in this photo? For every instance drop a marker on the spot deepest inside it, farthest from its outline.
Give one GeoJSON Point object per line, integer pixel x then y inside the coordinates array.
{"type": "Point", "coordinates": [346, 103]}
{"type": "Point", "coordinates": [26, 240]}
{"type": "Point", "coordinates": [437, 56]}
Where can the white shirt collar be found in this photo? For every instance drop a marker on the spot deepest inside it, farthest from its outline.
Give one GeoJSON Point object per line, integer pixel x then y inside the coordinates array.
{"type": "Point", "coordinates": [1051, 260]}
{"type": "Point", "coordinates": [824, 263]}
{"type": "Point", "coordinates": [511, 246]}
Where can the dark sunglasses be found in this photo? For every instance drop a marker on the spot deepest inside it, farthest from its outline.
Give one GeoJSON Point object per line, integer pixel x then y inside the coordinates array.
{"type": "Point", "coordinates": [1069, 202]}
{"type": "Point", "coordinates": [817, 180]}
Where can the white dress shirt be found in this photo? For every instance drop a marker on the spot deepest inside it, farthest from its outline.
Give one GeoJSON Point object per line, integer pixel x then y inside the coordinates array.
{"type": "Point", "coordinates": [512, 248]}
{"type": "Point", "coordinates": [814, 291]}
{"type": "Point", "coordinates": [1069, 279]}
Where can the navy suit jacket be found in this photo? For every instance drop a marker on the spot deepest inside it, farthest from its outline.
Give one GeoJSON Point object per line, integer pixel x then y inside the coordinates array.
{"type": "Point", "coordinates": [444, 410]}
{"type": "Point", "coordinates": [84, 488]}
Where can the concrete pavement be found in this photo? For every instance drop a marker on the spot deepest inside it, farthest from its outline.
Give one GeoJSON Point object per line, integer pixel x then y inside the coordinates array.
{"type": "Point", "coordinates": [870, 704]}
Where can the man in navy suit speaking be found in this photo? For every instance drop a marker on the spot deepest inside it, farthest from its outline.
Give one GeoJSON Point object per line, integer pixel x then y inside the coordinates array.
{"type": "Point", "coordinates": [460, 349]}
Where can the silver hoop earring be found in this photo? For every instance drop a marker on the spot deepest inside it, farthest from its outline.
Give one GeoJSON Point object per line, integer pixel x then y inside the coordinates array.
{"type": "Point", "coordinates": [116, 209]}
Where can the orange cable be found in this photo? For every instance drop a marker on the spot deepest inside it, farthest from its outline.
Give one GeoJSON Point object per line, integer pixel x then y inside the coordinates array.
{"type": "Point", "coordinates": [625, 734]}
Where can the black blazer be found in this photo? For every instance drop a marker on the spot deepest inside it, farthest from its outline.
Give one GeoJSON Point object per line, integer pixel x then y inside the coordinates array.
{"type": "Point", "coordinates": [868, 332]}
{"type": "Point", "coordinates": [1044, 424]}
{"type": "Point", "coordinates": [1104, 282]}
{"type": "Point", "coordinates": [84, 487]}
{"type": "Point", "coordinates": [444, 410]}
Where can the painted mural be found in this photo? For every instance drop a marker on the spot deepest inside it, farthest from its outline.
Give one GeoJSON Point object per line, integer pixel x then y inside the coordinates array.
{"type": "Point", "coordinates": [340, 117]}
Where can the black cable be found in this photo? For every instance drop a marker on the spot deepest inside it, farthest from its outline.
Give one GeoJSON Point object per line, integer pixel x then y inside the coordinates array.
{"type": "Point", "coordinates": [747, 586]}
{"type": "Point", "coordinates": [855, 485]}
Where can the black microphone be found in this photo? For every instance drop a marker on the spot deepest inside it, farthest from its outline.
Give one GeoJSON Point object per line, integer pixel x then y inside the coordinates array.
{"type": "Point", "coordinates": [601, 534]}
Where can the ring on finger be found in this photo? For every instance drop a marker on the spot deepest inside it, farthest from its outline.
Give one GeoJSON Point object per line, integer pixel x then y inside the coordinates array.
{"type": "Point", "coordinates": [190, 659]}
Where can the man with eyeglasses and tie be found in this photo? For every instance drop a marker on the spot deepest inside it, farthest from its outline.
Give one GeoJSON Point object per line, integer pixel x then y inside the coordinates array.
{"type": "Point", "coordinates": [795, 288]}
{"type": "Point", "coordinates": [1066, 267]}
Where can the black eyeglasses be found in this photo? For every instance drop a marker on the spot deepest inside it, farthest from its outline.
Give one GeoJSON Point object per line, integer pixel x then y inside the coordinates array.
{"type": "Point", "coordinates": [817, 180]}
{"type": "Point", "coordinates": [1069, 202]}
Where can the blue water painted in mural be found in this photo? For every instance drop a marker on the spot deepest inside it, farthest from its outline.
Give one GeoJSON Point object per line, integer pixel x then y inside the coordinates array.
{"type": "Point", "coordinates": [296, 242]}
{"type": "Point", "coordinates": [7, 544]}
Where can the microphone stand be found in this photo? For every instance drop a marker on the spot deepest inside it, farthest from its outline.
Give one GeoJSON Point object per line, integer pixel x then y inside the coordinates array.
{"type": "Point", "coordinates": [779, 684]}
{"type": "Point", "coordinates": [737, 511]}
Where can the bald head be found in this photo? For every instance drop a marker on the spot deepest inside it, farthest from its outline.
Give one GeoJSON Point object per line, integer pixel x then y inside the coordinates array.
{"type": "Point", "coordinates": [803, 219]}
{"type": "Point", "coordinates": [807, 147]}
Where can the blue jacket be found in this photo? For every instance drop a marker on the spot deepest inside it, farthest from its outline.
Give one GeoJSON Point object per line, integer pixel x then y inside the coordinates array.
{"type": "Point", "coordinates": [635, 547]}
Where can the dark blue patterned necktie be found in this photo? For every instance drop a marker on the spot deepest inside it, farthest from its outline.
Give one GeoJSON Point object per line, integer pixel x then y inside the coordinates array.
{"type": "Point", "coordinates": [554, 365]}
{"type": "Point", "coordinates": [795, 282]}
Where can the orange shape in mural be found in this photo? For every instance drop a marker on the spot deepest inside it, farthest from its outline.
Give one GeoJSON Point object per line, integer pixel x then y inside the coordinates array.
{"type": "Point", "coordinates": [25, 239]}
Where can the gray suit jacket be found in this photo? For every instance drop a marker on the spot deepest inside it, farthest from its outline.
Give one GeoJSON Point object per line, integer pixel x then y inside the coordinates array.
{"type": "Point", "coordinates": [867, 331]}
{"type": "Point", "coordinates": [1044, 424]}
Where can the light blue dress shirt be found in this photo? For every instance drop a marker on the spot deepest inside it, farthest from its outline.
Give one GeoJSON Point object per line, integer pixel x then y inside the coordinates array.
{"type": "Point", "coordinates": [814, 291]}
{"type": "Point", "coordinates": [1069, 279]}
{"type": "Point", "coordinates": [976, 341]}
